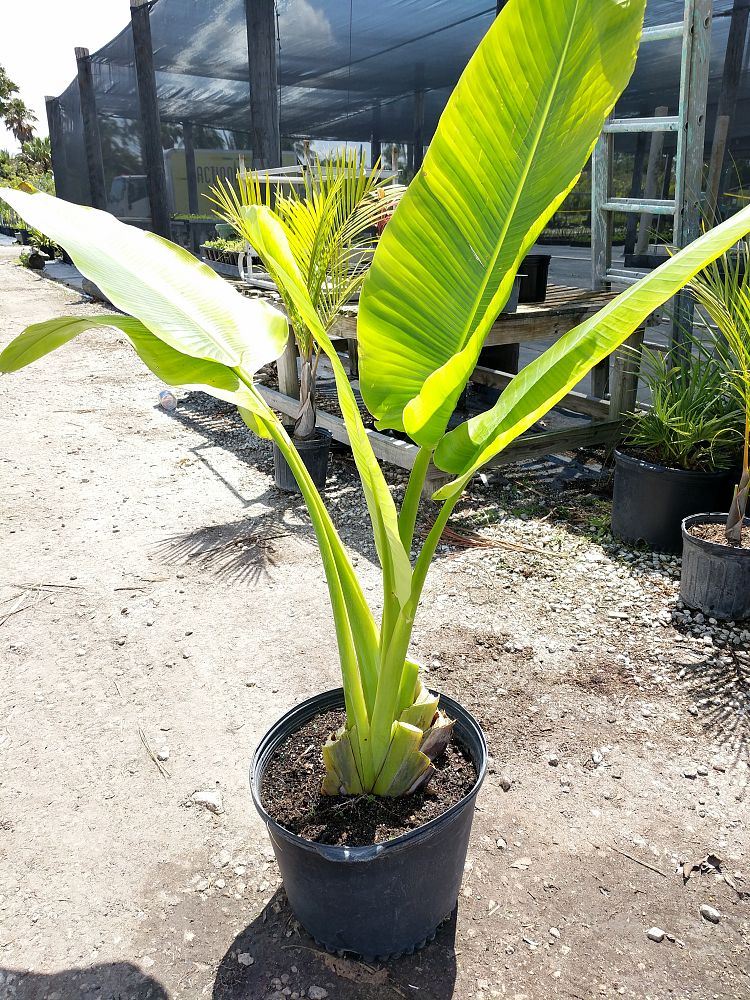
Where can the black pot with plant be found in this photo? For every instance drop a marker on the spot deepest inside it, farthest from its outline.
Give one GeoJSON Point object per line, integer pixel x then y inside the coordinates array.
{"type": "Point", "coordinates": [715, 555]}
{"type": "Point", "coordinates": [679, 456]}
{"type": "Point", "coordinates": [334, 888]}
{"type": "Point", "coordinates": [443, 268]}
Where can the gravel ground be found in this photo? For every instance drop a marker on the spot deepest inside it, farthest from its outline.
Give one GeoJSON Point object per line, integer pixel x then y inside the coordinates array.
{"type": "Point", "coordinates": [161, 603]}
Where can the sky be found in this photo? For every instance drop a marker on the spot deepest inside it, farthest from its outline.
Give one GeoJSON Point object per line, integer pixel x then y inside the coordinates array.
{"type": "Point", "coordinates": [37, 42]}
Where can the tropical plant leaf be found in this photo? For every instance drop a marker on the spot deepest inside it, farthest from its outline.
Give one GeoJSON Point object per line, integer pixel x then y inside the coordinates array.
{"type": "Point", "coordinates": [181, 301]}
{"type": "Point", "coordinates": [269, 239]}
{"type": "Point", "coordinates": [511, 143]}
{"type": "Point", "coordinates": [544, 382]}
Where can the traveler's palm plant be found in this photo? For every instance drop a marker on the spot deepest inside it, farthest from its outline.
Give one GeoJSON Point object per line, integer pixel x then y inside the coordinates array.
{"type": "Point", "coordinates": [329, 226]}
{"type": "Point", "coordinates": [723, 290]}
{"type": "Point", "coordinates": [510, 145]}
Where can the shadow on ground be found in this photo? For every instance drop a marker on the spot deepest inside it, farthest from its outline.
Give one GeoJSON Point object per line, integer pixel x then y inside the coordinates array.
{"type": "Point", "coordinates": [115, 981]}
{"type": "Point", "coordinates": [242, 552]}
{"type": "Point", "coordinates": [246, 550]}
{"type": "Point", "coordinates": [273, 945]}
{"type": "Point", "coordinates": [721, 693]}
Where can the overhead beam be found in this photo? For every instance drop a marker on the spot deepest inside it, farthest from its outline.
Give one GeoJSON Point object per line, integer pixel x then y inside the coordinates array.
{"type": "Point", "coordinates": [91, 135]}
{"type": "Point", "coordinates": [260, 19]}
{"type": "Point", "coordinates": [153, 155]}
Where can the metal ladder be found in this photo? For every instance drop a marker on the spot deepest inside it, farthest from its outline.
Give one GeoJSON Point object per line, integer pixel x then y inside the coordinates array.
{"type": "Point", "coordinates": [690, 125]}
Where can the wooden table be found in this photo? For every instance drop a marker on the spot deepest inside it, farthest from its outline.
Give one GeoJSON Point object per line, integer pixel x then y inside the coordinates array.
{"type": "Point", "coordinates": [563, 310]}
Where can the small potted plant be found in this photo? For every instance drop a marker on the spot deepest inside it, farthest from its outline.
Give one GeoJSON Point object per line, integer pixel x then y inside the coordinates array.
{"type": "Point", "coordinates": [678, 456]}
{"type": "Point", "coordinates": [445, 264]}
{"type": "Point", "coordinates": [716, 553]}
{"type": "Point", "coordinates": [330, 227]}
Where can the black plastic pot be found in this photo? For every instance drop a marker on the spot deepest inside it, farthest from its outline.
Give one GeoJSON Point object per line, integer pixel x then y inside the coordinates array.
{"type": "Point", "coordinates": [715, 578]}
{"type": "Point", "coordinates": [650, 501]}
{"type": "Point", "coordinates": [512, 304]}
{"type": "Point", "coordinates": [535, 269]}
{"type": "Point", "coordinates": [313, 452]}
{"type": "Point", "coordinates": [383, 900]}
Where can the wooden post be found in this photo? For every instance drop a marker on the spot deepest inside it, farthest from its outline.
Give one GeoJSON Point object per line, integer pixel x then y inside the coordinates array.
{"type": "Point", "coordinates": [730, 82]}
{"type": "Point", "coordinates": [652, 171]}
{"type": "Point", "coordinates": [153, 155]}
{"type": "Point", "coordinates": [665, 185]}
{"type": "Point", "coordinates": [625, 371]}
{"type": "Point", "coordinates": [91, 137]}
{"type": "Point", "coordinates": [636, 190]}
{"type": "Point", "coordinates": [418, 129]}
{"type": "Point", "coordinates": [192, 174]}
{"type": "Point", "coordinates": [690, 155]}
{"type": "Point", "coordinates": [57, 146]}
{"type": "Point", "coordinates": [376, 150]}
{"type": "Point", "coordinates": [713, 185]}
{"type": "Point", "coordinates": [260, 19]}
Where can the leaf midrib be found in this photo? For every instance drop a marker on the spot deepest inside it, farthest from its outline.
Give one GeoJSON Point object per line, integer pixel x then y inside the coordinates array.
{"type": "Point", "coordinates": [471, 322]}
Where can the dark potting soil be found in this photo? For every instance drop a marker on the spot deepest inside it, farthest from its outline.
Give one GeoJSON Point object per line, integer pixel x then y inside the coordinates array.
{"type": "Point", "coordinates": [715, 533]}
{"type": "Point", "coordinates": [291, 792]}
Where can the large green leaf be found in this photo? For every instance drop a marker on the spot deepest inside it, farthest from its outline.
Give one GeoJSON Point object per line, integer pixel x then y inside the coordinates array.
{"type": "Point", "coordinates": [181, 301]}
{"type": "Point", "coordinates": [512, 141]}
{"type": "Point", "coordinates": [167, 363]}
{"type": "Point", "coordinates": [269, 238]}
{"type": "Point", "coordinates": [548, 378]}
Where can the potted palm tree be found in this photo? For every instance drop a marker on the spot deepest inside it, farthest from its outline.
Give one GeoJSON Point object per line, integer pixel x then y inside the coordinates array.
{"type": "Point", "coordinates": [511, 143]}
{"type": "Point", "coordinates": [678, 456]}
{"type": "Point", "coordinates": [715, 555]}
{"type": "Point", "coordinates": [329, 224]}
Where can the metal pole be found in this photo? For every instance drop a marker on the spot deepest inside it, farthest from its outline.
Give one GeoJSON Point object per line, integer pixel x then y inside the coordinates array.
{"type": "Point", "coordinates": [91, 137]}
{"type": "Point", "coordinates": [57, 145]}
{"type": "Point", "coordinates": [190, 168]}
{"type": "Point", "coordinates": [418, 129]}
{"type": "Point", "coordinates": [376, 148]}
{"type": "Point", "coordinates": [260, 18]}
{"type": "Point", "coordinates": [153, 154]}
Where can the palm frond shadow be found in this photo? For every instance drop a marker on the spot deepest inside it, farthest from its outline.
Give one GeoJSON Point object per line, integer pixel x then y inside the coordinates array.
{"type": "Point", "coordinates": [721, 692]}
{"type": "Point", "coordinates": [242, 552]}
{"type": "Point", "coordinates": [220, 426]}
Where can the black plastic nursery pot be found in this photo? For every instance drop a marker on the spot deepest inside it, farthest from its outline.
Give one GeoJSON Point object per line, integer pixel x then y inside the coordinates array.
{"type": "Point", "coordinates": [650, 501]}
{"type": "Point", "coordinates": [383, 900]}
{"type": "Point", "coordinates": [535, 270]}
{"type": "Point", "coordinates": [314, 453]}
{"type": "Point", "coordinates": [715, 578]}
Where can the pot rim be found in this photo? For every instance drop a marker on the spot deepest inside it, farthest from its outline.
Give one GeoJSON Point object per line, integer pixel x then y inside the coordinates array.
{"type": "Point", "coordinates": [714, 517]}
{"type": "Point", "coordinates": [322, 436]}
{"type": "Point", "coordinates": [623, 458]}
{"type": "Point", "coordinates": [366, 852]}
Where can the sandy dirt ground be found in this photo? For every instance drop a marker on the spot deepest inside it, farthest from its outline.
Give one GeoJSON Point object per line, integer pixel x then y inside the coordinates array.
{"type": "Point", "coordinates": [159, 597]}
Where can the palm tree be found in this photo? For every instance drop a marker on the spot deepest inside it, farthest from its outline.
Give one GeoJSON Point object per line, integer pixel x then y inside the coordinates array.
{"type": "Point", "coordinates": [330, 228]}
{"type": "Point", "coordinates": [37, 154]}
{"type": "Point", "coordinates": [19, 119]}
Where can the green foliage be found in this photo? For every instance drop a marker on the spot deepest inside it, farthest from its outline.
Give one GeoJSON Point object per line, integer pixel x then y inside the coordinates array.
{"type": "Point", "coordinates": [37, 155]}
{"type": "Point", "coordinates": [695, 421]}
{"type": "Point", "coordinates": [723, 291]}
{"type": "Point", "coordinates": [226, 246]}
{"type": "Point", "coordinates": [496, 171]}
